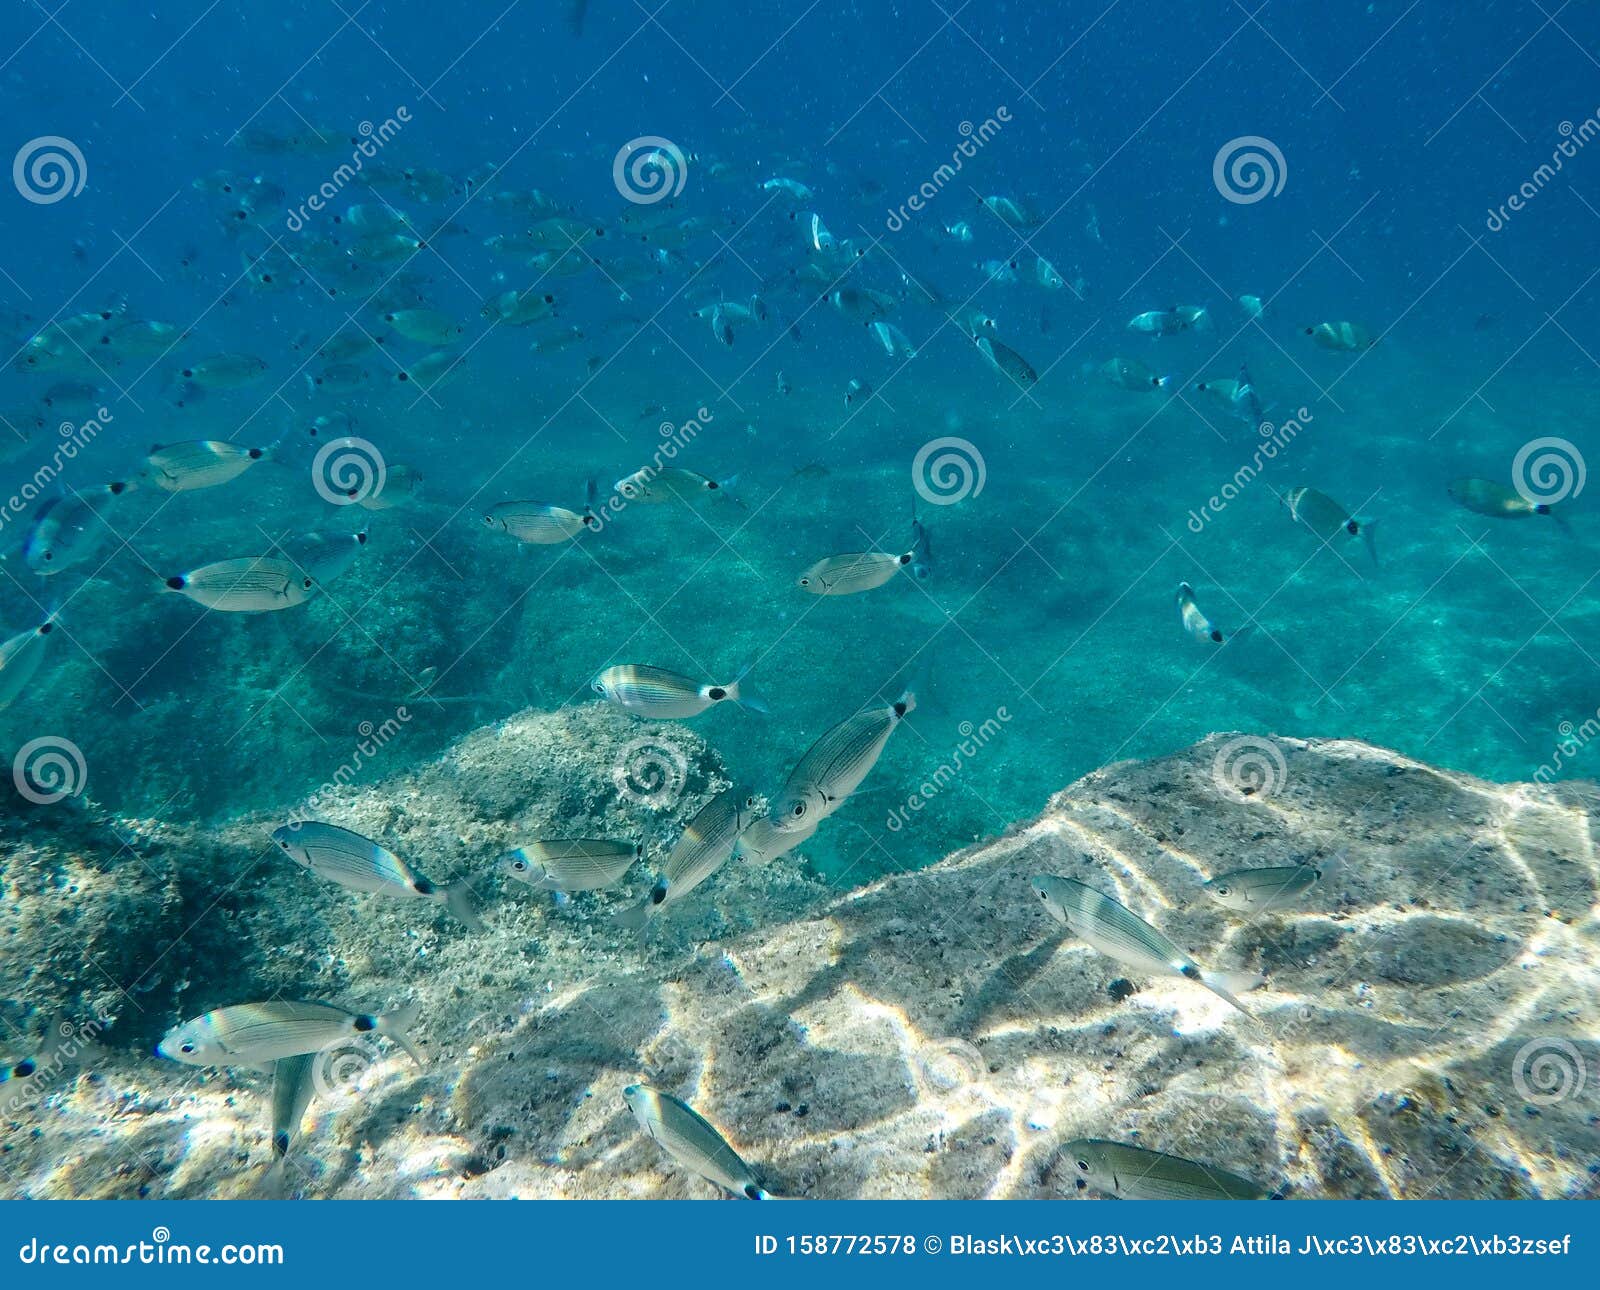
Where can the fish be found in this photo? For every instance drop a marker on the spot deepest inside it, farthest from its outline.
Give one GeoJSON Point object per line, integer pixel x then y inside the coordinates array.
{"type": "Point", "coordinates": [789, 187]}
{"type": "Point", "coordinates": [1346, 336]}
{"type": "Point", "coordinates": [1159, 322]}
{"type": "Point", "coordinates": [1135, 1173]}
{"type": "Point", "coordinates": [1194, 621]}
{"type": "Point", "coordinates": [1252, 306]}
{"type": "Point", "coordinates": [427, 326]}
{"type": "Point", "coordinates": [519, 308]}
{"type": "Point", "coordinates": [1010, 211]}
{"type": "Point", "coordinates": [247, 585]}
{"type": "Point", "coordinates": [1120, 934]}
{"type": "Point", "coordinates": [1236, 397]}
{"type": "Point", "coordinates": [706, 844]}
{"type": "Point", "coordinates": [67, 529]}
{"type": "Point", "coordinates": [225, 371]}
{"type": "Point", "coordinates": [959, 231]}
{"type": "Point", "coordinates": [343, 856]}
{"type": "Point", "coordinates": [199, 463]}
{"type": "Point", "coordinates": [293, 1083]}
{"type": "Point", "coordinates": [1486, 497]}
{"type": "Point", "coordinates": [258, 1034]}
{"type": "Point", "coordinates": [20, 657]}
{"type": "Point", "coordinates": [657, 694]}
{"type": "Point", "coordinates": [1131, 374]}
{"type": "Point", "coordinates": [1327, 519]}
{"type": "Point", "coordinates": [921, 566]}
{"type": "Point", "coordinates": [896, 344]}
{"type": "Point", "coordinates": [538, 523]}
{"type": "Point", "coordinates": [324, 556]}
{"type": "Point", "coordinates": [680, 1131]}
{"type": "Point", "coordinates": [1196, 316]}
{"type": "Point", "coordinates": [432, 370]}
{"type": "Point", "coordinates": [1250, 891]}
{"type": "Point", "coordinates": [1046, 275]}
{"type": "Point", "coordinates": [834, 766]}
{"type": "Point", "coordinates": [848, 575]}
{"type": "Point", "coordinates": [655, 485]}
{"type": "Point", "coordinates": [762, 843]}
{"type": "Point", "coordinates": [571, 864]}
{"type": "Point", "coordinates": [999, 272]}
{"type": "Point", "coordinates": [1007, 361]}
{"type": "Point", "coordinates": [857, 391]}
{"type": "Point", "coordinates": [400, 484]}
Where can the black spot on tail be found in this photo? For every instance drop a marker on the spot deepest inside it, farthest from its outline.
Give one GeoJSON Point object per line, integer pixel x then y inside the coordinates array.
{"type": "Point", "coordinates": [364, 1024]}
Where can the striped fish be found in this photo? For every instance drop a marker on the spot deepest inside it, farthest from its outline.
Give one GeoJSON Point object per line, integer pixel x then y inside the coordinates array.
{"type": "Point", "coordinates": [1251, 891]}
{"type": "Point", "coordinates": [847, 575]}
{"type": "Point", "coordinates": [258, 1034]}
{"type": "Point", "coordinates": [835, 765]}
{"type": "Point", "coordinates": [1133, 1173]}
{"type": "Point", "coordinates": [571, 864]}
{"type": "Point", "coordinates": [20, 658]}
{"type": "Point", "coordinates": [1119, 933]}
{"type": "Point", "coordinates": [686, 1136]}
{"type": "Point", "coordinates": [537, 523]}
{"type": "Point", "coordinates": [248, 585]}
{"type": "Point", "coordinates": [656, 693]}
{"type": "Point", "coordinates": [359, 863]}
{"type": "Point", "coordinates": [200, 463]}
{"type": "Point", "coordinates": [706, 845]}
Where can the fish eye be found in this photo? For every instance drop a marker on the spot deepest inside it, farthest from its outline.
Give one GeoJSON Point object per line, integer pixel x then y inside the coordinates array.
{"type": "Point", "coordinates": [797, 810]}
{"type": "Point", "coordinates": [519, 865]}
{"type": "Point", "coordinates": [1223, 891]}
{"type": "Point", "coordinates": [1083, 1165]}
{"type": "Point", "coordinates": [186, 1048]}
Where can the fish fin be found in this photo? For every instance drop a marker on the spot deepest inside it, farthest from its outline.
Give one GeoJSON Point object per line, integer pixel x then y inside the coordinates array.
{"type": "Point", "coordinates": [459, 900]}
{"type": "Point", "coordinates": [1329, 870]}
{"type": "Point", "coordinates": [745, 698]}
{"type": "Point", "coordinates": [395, 1025]}
{"type": "Point", "coordinates": [274, 1184]}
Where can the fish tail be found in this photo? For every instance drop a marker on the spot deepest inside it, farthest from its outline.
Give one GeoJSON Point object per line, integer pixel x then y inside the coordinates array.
{"type": "Point", "coordinates": [1225, 984]}
{"type": "Point", "coordinates": [745, 697]}
{"type": "Point", "coordinates": [396, 1024]}
{"type": "Point", "coordinates": [460, 901]}
{"type": "Point", "coordinates": [636, 918]}
{"type": "Point", "coordinates": [1366, 536]}
{"type": "Point", "coordinates": [907, 702]}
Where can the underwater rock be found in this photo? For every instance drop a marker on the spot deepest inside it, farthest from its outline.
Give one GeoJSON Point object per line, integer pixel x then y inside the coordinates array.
{"type": "Point", "coordinates": [1421, 1031]}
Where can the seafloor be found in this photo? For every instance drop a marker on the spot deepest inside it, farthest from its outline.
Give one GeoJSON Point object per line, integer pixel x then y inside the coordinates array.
{"type": "Point", "coordinates": [1422, 1031]}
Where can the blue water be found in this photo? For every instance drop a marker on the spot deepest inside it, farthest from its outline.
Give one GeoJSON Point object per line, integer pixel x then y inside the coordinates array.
{"type": "Point", "coordinates": [1401, 129]}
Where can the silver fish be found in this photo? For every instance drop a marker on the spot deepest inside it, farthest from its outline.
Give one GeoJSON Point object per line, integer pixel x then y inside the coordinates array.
{"type": "Point", "coordinates": [689, 1139]}
{"type": "Point", "coordinates": [1131, 374]}
{"type": "Point", "coordinates": [67, 530]}
{"type": "Point", "coordinates": [1328, 520]}
{"type": "Point", "coordinates": [656, 693]}
{"type": "Point", "coordinates": [1251, 891]}
{"type": "Point", "coordinates": [848, 575]}
{"type": "Point", "coordinates": [571, 864]}
{"type": "Point", "coordinates": [257, 1034]}
{"type": "Point", "coordinates": [1159, 322]}
{"type": "Point", "coordinates": [669, 482]}
{"type": "Point", "coordinates": [247, 585]}
{"type": "Point", "coordinates": [345, 857]}
{"type": "Point", "coordinates": [20, 658]}
{"type": "Point", "coordinates": [200, 463]}
{"type": "Point", "coordinates": [225, 371]}
{"type": "Point", "coordinates": [1007, 361]}
{"type": "Point", "coordinates": [1194, 621]}
{"type": "Point", "coordinates": [1486, 497]}
{"type": "Point", "coordinates": [706, 844]}
{"type": "Point", "coordinates": [538, 523]}
{"type": "Point", "coordinates": [426, 326]}
{"type": "Point", "coordinates": [835, 765]}
{"type": "Point", "coordinates": [1348, 336]}
{"type": "Point", "coordinates": [1119, 933]}
{"type": "Point", "coordinates": [1133, 1173]}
